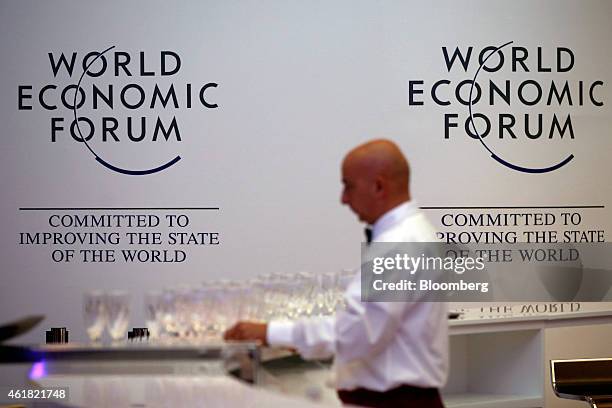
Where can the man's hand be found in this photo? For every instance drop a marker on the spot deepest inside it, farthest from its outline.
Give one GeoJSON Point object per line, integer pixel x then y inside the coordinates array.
{"type": "Point", "coordinates": [247, 331]}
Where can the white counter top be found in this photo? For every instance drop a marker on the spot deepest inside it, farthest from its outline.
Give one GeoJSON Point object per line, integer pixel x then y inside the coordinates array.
{"type": "Point", "coordinates": [471, 323]}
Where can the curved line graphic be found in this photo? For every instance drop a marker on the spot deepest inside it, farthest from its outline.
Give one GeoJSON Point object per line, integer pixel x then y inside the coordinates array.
{"type": "Point", "coordinates": [98, 158]}
{"type": "Point", "coordinates": [76, 92]}
{"type": "Point", "coordinates": [495, 156]}
{"type": "Point", "coordinates": [533, 170]}
{"type": "Point", "coordinates": [137, 172]}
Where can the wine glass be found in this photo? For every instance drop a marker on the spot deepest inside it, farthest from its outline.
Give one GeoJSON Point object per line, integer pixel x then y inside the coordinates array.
{"type": "Point", "coordinates": [154, 312]}
{"type": "Point", "coordinates": [118, 309]}
{"type": "Point", "coordinates": [94, 313]}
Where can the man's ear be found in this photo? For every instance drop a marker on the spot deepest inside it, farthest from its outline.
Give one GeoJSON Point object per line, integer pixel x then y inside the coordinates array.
{"type": "Point", "coordinates": [379, 185]}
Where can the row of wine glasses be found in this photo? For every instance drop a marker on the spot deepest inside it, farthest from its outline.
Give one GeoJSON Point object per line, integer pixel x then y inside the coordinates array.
{"type": "Point", "coordinates": [206, 310]}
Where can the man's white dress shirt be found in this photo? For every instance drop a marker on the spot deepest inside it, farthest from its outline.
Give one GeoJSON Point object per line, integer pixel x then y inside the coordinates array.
{"type": "Point", "coordinates": [378, 345]}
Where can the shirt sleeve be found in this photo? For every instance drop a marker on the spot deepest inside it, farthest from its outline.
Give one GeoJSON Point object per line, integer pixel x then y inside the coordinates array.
{"type": "Point", "coordinates": [363, 329]}
{"type": "Point", "coordinates": [280, 333]}
{"type": "Point", "coordinates": [313, 338]}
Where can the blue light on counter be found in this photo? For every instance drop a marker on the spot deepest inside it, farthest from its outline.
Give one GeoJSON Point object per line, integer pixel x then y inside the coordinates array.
{"type": "Point", "coordinates": [38, 370]}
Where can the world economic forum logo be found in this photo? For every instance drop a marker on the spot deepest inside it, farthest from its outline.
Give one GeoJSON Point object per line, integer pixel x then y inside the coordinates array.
{"type": "Point", "coordinates": [517, 102]}
{"type": "Point", "coordinates": [96, 103]}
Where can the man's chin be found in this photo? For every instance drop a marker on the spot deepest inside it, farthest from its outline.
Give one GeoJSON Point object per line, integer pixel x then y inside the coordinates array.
{"type": "Point", "coordinates": [360, 217]}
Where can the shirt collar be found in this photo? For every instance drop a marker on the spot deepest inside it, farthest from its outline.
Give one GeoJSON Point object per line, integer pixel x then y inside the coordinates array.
{"type": "Point", "coordinates": [393, 217]}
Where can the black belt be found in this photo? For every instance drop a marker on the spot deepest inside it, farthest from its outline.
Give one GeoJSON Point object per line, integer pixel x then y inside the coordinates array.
{"type": "Point", "coordinates": [402, 396]}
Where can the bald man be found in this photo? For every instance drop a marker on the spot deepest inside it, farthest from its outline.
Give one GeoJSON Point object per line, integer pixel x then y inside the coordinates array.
{"type": "Point", "coordinates": [386, 354]}
{"type": "Point", "coordinates": [375, 177]}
